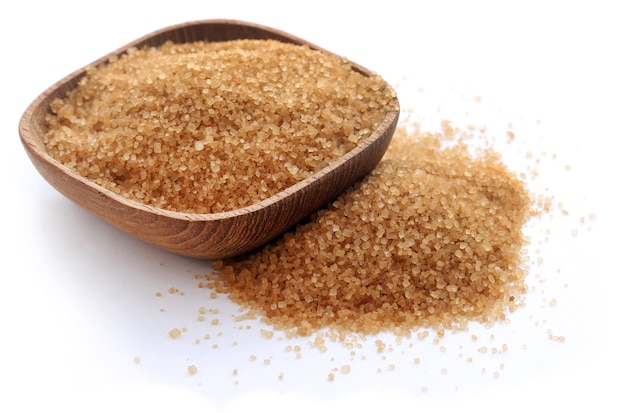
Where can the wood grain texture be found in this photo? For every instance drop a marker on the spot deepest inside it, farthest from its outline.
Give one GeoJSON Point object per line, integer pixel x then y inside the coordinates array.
{"type": "Point", "coordinates": [207, 236]}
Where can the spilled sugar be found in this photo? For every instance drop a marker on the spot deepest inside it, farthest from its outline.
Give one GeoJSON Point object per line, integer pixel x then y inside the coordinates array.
{"type": "Point", "coordinates": [432, 238]}
{"type": "Point", "coordinates": [446, 155]}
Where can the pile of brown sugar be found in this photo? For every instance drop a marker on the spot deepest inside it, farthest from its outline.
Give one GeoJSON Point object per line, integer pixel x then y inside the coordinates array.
{"type": "Point", "coordinates": [432, 238]}
{"type": "Point", "coordinates": [211, 127]}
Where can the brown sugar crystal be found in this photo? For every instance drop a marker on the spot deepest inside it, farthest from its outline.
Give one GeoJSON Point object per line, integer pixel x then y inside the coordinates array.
{"type": "Point", "coordinates": [211, 127]}
{"type": "Point", "coordinates": [432, 238]}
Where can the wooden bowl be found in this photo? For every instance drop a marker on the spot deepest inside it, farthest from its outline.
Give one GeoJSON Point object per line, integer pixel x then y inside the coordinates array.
{"type": "Point", "coordinates": [208, 236]}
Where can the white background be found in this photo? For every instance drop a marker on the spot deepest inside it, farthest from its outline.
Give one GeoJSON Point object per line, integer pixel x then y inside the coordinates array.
{"type": "Point", "coordinates": [78, 299]}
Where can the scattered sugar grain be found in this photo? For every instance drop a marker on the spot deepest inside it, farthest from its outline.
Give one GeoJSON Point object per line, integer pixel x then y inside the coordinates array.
{"type": "Point", "coordinates": [174, 333]}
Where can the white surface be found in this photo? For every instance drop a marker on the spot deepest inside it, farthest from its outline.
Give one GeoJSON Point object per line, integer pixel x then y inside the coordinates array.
{"type": "Point", "coordinates": [79, 304]}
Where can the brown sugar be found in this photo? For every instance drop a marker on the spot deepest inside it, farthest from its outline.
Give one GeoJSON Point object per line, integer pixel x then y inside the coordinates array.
{"type": "Point", "coordinates": [432, 238]}
{"type": "Point", "coordinates": [211, 127]}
